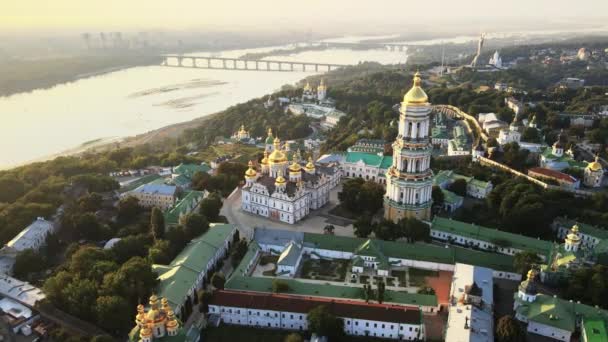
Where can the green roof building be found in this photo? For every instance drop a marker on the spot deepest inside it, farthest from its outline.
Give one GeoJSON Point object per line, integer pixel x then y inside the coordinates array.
{"type": "Point", "coordinates": [369, 166]}
{"type": "Point", "coordinates": [467, 234]}
{"type": "Point", "coordinates": [475, 188]}
{"type": "Point", "coordinates": [187, 272]}
{"type": "Point", "coordinates": [184, 206]}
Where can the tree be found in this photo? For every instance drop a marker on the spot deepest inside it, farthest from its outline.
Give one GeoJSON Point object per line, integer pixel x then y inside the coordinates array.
{"type": "Point", "coordinates": [90, 202]}
{"type": "Point", "coordinates": [218, 280]}
{"type": "Point", "coordinates": [525, 260]}
{"type": "Point", "coordinates": [113, 314]}
{"type": "Point", "coordinates": [380, 291]}
{"type": "Point", "coordinates": [82, 261]}
{"type": "Point", "coordinates": [368, 292]}
{"type": "Point", "coordinates": [508, 330]}
{"type": "Point", "coordinates": [294, 337]}
{"type": "Point", "coordinates": [102, 338]}
{"type": "Point", "coordinates": [323, 323]}
{"type": "Point", "coordinates": [203, 300]}
{"type": "Point", "coordinates": [12, 189]}
{"type": "Point", "coordinates": [239, 251]}
{"type": "Point", "coordinates": [329, 229]}
{"type": "Point", "coordinates": [128, 209]}
{"type": "Point", "coordinates": [279, 285]}
{"type": "Point", "coordinates": [195, 225]}
{"type": "Point", "coordinates": [160, 252]}
{"type": "Point", "coordinates": [459, 187]}
{"type": "Point", "coordinates": [210, 207]}
{"type": "Point", "coordinates": [28, 262]}
{"type": "Point", "coordinates": [80, 296]}
{"type": "Point", "coordinates": [437, 196]}
{"type": "Point", "coordinates": [135, 279]}
{"type": "Point", "coordinates": [360, 196]}
{"type": "Point", "coordinates": [157, 223]}
{"type": "Point", "coordinates": [130, 246]}
{"type": "Point", "coordinates": [530, 134]}
{"type": "Point", "coordinates": [363, 226]}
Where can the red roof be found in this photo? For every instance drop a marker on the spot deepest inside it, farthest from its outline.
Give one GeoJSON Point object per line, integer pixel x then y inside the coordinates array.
{"type": "Point", "coordinates": [543, 172]}
{"type": "Point", "coordinates": [301, 304]}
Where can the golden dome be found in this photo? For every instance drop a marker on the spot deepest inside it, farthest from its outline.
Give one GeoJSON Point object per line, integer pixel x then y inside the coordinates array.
{"type": "Point", "coordinates": [310, 165]}
{"type": "Point", "coordinates": [250, 172]}
{"type": "Point", "coordinates": [307, 87]}
{"type": "Point", "coordinates": [145, 332]}
{"type": "Point", "coordinates": [277, 156]}
{"type": "Point", "coordinates": [265, 159]}
{"type": "Point", "coordinates": [595, 165]}
{"type": "Point", "coordinates": [172, 322]}
{"type": "Point", "coordinates": [531, 274]}
{"type": "Point", "coordinates": [573, 236]}
{"type": "Point", "coordinates": [242, 130]}
{"type": "Point", "coordinates": [295, 167]}
{"type": "Point", "coordinates": [280, 179]}
{"type": "Point", "coordinates": [416, 95]}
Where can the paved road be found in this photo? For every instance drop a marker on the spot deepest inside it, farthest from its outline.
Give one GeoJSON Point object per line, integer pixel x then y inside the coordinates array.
{"type": "Point", "coordinates": [314, 223]}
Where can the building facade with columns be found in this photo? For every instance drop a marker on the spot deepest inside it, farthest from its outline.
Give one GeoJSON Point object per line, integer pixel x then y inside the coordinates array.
{"type": "Point", "coordinates": [287, 192]}
{"type": "Point", "coordinates": [409, 181]}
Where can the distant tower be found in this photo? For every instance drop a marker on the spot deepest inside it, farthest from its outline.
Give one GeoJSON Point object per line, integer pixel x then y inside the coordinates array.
{"type": "Point", "coordinates": [495, 60]}
{"type": "Point", "coordinates": [409, 181]}
{"type": "Point", "coordinates": [269, 140]}
{"type": "Point", "coordinates": [532, 123]}
{"type": "Point", "coordinates": [264, 164]}
{"type": "Point", "coordinates": [573, 240]}
{"type": "Point", "coordinates": [321, 91]}
{"type": "Point", "coordinates": [527, 290]}
{"type": "Point", "coordinates": [482, 37]}
{"type": "Point", "coordinates": [594, 174]}
{"type": "Point", "coordinates": [295, 170]}
{"type": "Point", "coordinates": [558, 147]}
{"type": "Point", "coordinates": [310, 166]}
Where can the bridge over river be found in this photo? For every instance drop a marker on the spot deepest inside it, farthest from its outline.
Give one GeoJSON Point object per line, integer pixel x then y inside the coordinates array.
{"type": "Point", "coordinates": [225, 63]}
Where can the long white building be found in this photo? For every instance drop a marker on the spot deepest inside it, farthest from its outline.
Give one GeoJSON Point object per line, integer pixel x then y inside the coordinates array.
{"type": "Point", "coordinates": [33, 236]}
{"type": "Point", "coordinates": [283, 192]}
{"type": "Point", "coordinates": [470, 316]}
{"type": "Point", "coordinates": [288, 312]}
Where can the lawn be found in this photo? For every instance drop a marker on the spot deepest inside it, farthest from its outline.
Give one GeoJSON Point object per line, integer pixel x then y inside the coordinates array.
{"type": "Point", "coordinates": [330, 270]}
{"type": "Point", "coordinates": [417, 276]}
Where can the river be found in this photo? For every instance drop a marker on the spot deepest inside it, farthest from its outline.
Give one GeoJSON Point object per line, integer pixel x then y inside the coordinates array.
{"type": "Point", "coordinates": [136, 100]}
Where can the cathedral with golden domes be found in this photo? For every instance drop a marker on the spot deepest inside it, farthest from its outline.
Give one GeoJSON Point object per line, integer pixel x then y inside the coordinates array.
{"type": "Point", "coordinates": [159, 323]}
{"type": "Point", "coordinates": [285, 187]}
{"type": "Point", "coordinates": [409, 181]}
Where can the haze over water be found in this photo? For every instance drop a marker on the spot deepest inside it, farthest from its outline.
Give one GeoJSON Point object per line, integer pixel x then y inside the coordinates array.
{"type": "Point", "coordinates": [137, 100]}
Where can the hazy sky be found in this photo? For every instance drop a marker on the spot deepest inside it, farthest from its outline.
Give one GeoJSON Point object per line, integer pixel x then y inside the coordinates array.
{"type": "Point", "coordinates": [269, 14]}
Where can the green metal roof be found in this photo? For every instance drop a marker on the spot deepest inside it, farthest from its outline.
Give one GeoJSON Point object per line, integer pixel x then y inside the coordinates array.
{"type": "Point", "coordinates": [189, 170]}
{"type": "Point", "coordinates": [179, 276]}
{"type": "Point", "coordinates": [414, 251]}
{"type": "Point", "coordinates": [584, 228]}
{"type": "Point", "coordinates": [370, 159]}
{"type": "Point", "coordinates": [473, 231]}
{"type": "Point", "coordinates": [297, 287]}
{"type": "Point", "coordinates": [595, 330]}
{"type": "Point", "coordinates": [557, 312]}
{"type": "Point", "coordinates": [183, 207]}
{"type": "Point", "coordinates": [451, 198]}
{"type": "Point", "coordinates": [139, 182]}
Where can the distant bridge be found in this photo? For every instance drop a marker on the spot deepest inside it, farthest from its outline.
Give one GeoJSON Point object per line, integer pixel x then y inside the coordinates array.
{"type": "Point", "coordinates": [364, 45]}
{"type": "Point", "coordinates": [225, 63]}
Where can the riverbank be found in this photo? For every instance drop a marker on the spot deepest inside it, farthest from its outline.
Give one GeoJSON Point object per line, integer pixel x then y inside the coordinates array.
{"type": "Point", "coordinates": [19, 76]}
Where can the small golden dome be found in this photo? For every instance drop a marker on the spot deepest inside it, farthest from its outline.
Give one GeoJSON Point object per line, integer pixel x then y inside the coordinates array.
{"type": "Point", "coordinates": [242, 130]}
{"type": "Point", "coordinates": [310, 165]}
{"type": "Point", "coordinates": [172, 322]}
{"type": "Point", "coordinates": [250, 173]}
{"type": "Point", "coordinates": [531, 274]}
{"type": "Point", "coordinates": [595, 165]}
{"type": "Point", "coordinates": [573, 237]}
{"type": "Point", "coordinates": [145, 332]}
{"type": "Point", "coordinates": [307, 87]}
{"type": "Point", "coordinates": [265, 159]}
{"type": "Point", "coordinates": [416, 95]}
{"type": "Point", "coordinates": [280, 179]}
{"type": "Point", "coordinates": [295, 167]}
